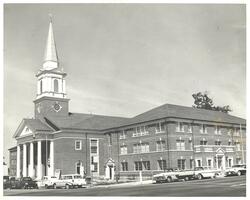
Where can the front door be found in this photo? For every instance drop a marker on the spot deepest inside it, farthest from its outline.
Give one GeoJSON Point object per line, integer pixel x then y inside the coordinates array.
{"type": "Point", "coordinates": [110, 172]}
{"type": "Point", "coordinates": [219, 162]}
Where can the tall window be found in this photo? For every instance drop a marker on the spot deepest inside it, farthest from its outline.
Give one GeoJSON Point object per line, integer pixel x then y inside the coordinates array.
{"type": "Point", "coordinates": [141, 148]}
{"type": "Point", "coordinates": [189, 128]}
{"type": "Point", "coordinates": [94, 163]}
{"type": "Point", "coordinates": [179, 127]}
{"type": "Point", "coordinates": [203, 142]}
{"type": "Point", "coordinates": [217, 143]}
{"type": "Point", "coordinates": [124, 166]}
{"type": "Point", "coordinates": [78, 145]}
{"type": "Point", "coordinates": [160, 145]}
{"type": "Point", "coordinates": [198, 163]}
{"type": "Point", "coordinates": [209, 163]}
{"type": "Point", "coordinates": [142, 165]}
{"type": "Point", "coordinates": [124, 149]}
{"type": "Point", "coordinates": [159, 128]}
{"type": "Point", "coordinates": [41, 86]}
{"type": "Point", "coordinates": [203, 129]}
{"type": "Point", "coordinates": [217, 130]}
{"type": "Point", "coordinates": [93, 146]}
{"type": "Point", "coordinates": [181, 163]}
{"type": "Point", "coordinates": [122, 135]}
{"type": "Point", "coordinates": [140, 131]}
{"type": "Point", "coordinates": [55, 85]}
{"type": "Point", "coordinates": [180, 145]}
{"type": "Point", "coordinates": [162, 164]}
{"type": "Point", "coordinates": [237, 146]}
{"type": "Point", "coordinates": [78, 167]}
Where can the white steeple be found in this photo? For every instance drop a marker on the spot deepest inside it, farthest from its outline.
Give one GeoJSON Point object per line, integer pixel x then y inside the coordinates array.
{"type": "Point", "coordinates": [50, 55]}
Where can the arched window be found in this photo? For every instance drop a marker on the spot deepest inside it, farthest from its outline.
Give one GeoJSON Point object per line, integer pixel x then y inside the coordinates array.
{"type": "Point", "coordinates": [41, 86]}
{"type": "Point", "coordinates": [55, 85]}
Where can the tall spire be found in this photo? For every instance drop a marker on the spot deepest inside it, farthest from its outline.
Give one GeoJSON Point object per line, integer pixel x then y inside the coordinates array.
{"type": "Point", "coordinates": [50, 55]}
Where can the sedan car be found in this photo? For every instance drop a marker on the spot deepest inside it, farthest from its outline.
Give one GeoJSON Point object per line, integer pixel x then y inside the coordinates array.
{"type": "Point", "coordinates": [238, 170]}
{"type": "Point", "coordinates": [205, 172]}
{"type": "Point", "coordinates": [22, 183]}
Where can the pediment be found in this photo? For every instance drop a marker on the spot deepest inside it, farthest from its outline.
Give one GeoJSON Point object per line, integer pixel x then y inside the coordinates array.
{"type": "Point", "coordinates": [220, 151]}
{"type": "Point", "coordinates": [23, 130]}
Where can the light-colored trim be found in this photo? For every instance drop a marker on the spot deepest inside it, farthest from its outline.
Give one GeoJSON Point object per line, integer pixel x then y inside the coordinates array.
{"type": "Point", "coordinates": [80, 138]}
{"type": "Point", "coordinates": [172, 150]}
{"type": "Point", "coordinates": [196, 162]}
{"type": "Point", "coordinates": [212, 161]}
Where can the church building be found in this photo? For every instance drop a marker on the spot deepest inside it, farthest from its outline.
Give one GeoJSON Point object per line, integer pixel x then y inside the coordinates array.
{"type": "Point", "coordinates": [169, 136]}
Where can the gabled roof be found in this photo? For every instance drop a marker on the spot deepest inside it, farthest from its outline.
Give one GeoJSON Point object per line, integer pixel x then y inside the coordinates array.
{"type": "Point", "coordinates": [34, 124]}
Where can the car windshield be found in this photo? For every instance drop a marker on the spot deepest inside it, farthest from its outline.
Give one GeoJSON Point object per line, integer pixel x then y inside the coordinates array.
{"type": "Point", "coordinates": [77, 177]}
{"type": "Point", "coordinates": [27, 179]}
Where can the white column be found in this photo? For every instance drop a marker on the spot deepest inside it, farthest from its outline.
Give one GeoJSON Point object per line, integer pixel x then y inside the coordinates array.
{"type": "Point", "coordinates": [39, 160]}
{"type": "Point", "coordinates": [52, 166]}
{"type": "Point", "coordinates": [18, 162]}
{"type": "Point", "coordinates": [31, 166]}
{"type": "Point", "coordinates": [24, 160]}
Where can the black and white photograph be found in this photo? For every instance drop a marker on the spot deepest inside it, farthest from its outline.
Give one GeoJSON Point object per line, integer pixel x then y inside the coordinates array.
{"type": "Point", "coordinates": [124, 99]}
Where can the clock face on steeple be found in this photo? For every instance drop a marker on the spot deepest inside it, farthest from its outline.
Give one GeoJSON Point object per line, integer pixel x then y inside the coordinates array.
{"type": "Point", "coordinates": [57, 107]}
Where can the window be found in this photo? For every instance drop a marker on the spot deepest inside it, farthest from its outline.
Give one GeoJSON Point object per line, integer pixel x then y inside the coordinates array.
{"type": "Point", "coordinates": [179, 127]}
{"type": "Point", "coordinates": [191, 163]}
{"type": "Point", "coordinates": [237, 144]}
{"type": "Point", "coordinates": [93, 147]}
{"type": "Point", "coordinates": [203, 142]}
{"type": "Point", "coordinates": [238, 161]}
{"type": "Point", "coordinates": [209, 163]}
{"type": "Point", "coordinates": [230, 143]}
{"type": "Point", "coordinates": [141, 148]}
{"type": "Point", "coordinates": [162, 164]}
{"type": "Point", "coordinates": [142, 165]}
{"type": "Point", "coordinates": [217, 130]}
{"type": "Point", "coordinates": [124, 166]}
{"type": "Point", "coordinates": [181, 163]}
{"type": "Point", "coordinates": [146, 165]}
{"type": "Point", "coordinates": [78, 145]}
{"type": "Point", "coordinates": [122, 135]}
{"type": "Point", "coordinates": [95, 164]}
{"type": "Point", "coordinates": [217, 143]}
{"type": "Point", "coordinates": [203, 129]}
{"type": "Point", "coordinates": [138, 166]}
{"type": "Point", "coordinates": [41, 86]}
{"type": "Point", "coordinates": [110, 138]}
{"type": "Point", "coordinates": [159, 128]}
{"type": "Point", "coordinates": [189, 128]}
{"type": "Point", "coordinates": [55, 85]}
{"type": "Point", "coordinates": [230, 161]}
{"type": "Point", "coordinates": [124, 149]}
{"type": "Point", "coordinates": [180, 145]}
{"type": "Point", "coordinates": [160, 145]}
{"type": "Point", "coordinates": [140, 131]}
{"type": "Point", "coordinates": [236, 132]}
{"type": "Point", "coordinates": [78, 167]}
{"type": "Point", "coordinates": [198, 163]}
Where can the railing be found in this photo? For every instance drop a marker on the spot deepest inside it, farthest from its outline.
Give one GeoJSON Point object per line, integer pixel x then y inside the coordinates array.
{"type": "Point", "coordinates": [213, 148]}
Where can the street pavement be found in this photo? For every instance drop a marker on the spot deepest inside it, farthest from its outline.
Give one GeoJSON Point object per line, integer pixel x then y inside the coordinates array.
{"type": "Point", "coordinates": [227, 186]}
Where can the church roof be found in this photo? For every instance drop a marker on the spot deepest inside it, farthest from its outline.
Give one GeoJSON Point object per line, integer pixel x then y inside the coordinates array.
{"type": "Point", "coordinates": [100, 122]}
{"type": "Point", "coordinates": [37, 125]}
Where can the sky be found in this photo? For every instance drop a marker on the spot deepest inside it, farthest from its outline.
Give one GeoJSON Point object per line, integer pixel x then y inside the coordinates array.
{"type": "Point", "coordinates": [124, 59]}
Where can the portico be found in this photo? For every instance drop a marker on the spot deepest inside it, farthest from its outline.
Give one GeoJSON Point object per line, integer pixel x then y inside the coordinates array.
{"type": "Point", "coordinates": [35, 159]}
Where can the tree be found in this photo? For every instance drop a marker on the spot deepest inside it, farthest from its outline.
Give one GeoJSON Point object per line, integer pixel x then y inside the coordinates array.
{"type": "Point", "coordinates": [202, 101]}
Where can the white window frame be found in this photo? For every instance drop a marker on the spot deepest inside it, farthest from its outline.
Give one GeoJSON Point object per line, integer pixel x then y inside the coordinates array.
{"type": "Point", "coordinates": [124, 150]}
{"type": "Point", "coordinates": [203, 129]}
{"type": "Point", "coordinates": [160, 128]}
{"type": "Point", "coordinates": [189, 128]}
{"type": "Point", "coordinates": [180, 145]}
{"type": "Point", "coordinates": [80, 148]}
{"type": "Point", "coordinates": [232, 161]}
{"type": "Point", "coordinates": [196, 162]}
{"type": "Point", "coordinates": [212, 162]}
{"type": "Point", "coordinates": [122, 135]}
{"type": "Point", "coordinates": [180, 127]}
{"type": "Point", "coordinates": [97, 144]}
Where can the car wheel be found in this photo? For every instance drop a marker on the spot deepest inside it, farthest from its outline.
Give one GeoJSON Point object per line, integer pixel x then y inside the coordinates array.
{"type": "Point", "coordinates": [67, 186]}
{"type": "Point", "coordinates": [186, 178]}
{"type": "Point", "coordinates": [54, 186]}
{"type": "Point", "coordinates": [199, 176]}
{"type": "Point", "coordinates": [239, 173]}
{"type": "Point", "coordinates": [169, 179]}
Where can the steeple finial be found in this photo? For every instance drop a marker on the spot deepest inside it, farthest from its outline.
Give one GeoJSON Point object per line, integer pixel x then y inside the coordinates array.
{"type": "Point", "coordinates": [50, 55]}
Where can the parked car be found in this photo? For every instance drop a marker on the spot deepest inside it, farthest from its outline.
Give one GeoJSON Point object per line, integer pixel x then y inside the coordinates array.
{"type": "Point", "coordinates": [205, 172]}
{"type": "Point", "coordinates": [54, 182]}
{"type": "Point", "coordinates": [25, 183]}
{"type": "Point", "coordinates": [168, 176]}
{"type": "Point", "coordinates": [236, 170]}
{"type": "Point", "coordinates": [76, 179]}
{"type": "Point", "coordinates": [6, 182]}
